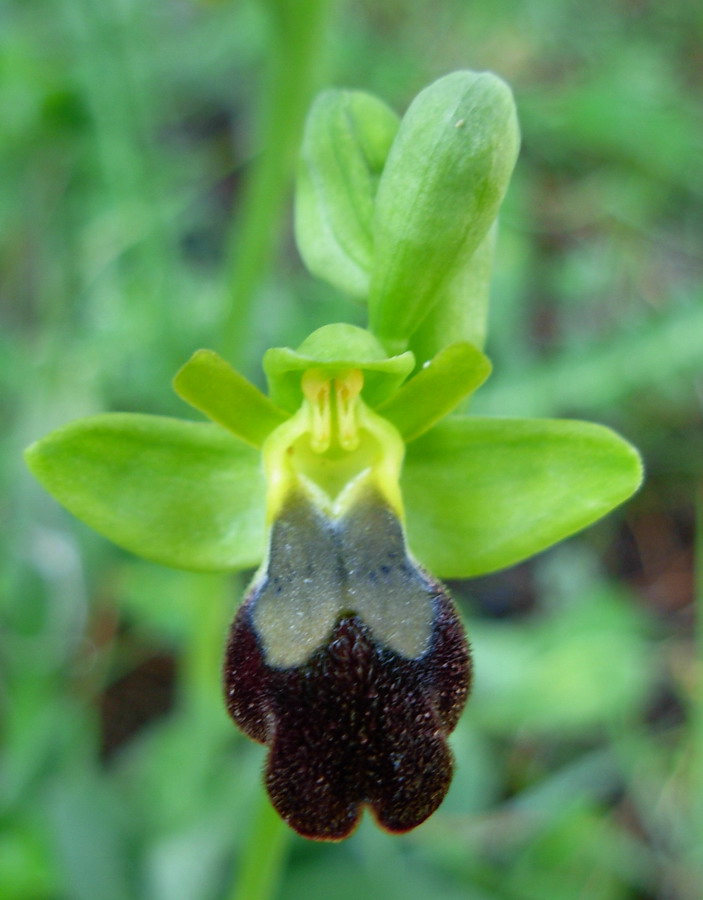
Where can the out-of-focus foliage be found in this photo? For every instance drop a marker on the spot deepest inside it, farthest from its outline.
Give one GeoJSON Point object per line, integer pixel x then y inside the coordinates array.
{"type": "Point", "coordinates": [125, 131]}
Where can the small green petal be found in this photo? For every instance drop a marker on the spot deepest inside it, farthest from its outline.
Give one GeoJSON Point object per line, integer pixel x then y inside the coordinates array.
{"type": "Point", "coordinates": [212, 386]}
{"type": "Point", "coordinates": [482, 494]}
{"type": "Point", "coordinates": [183, 494]}
{"type": "Point", "coordinates": [436, 390]}
{"type": "Point", "coordinates": [336, 348]}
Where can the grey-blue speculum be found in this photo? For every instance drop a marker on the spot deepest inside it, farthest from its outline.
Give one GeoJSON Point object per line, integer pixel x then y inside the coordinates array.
{"type": "Point", "coordinates": [349, 662]}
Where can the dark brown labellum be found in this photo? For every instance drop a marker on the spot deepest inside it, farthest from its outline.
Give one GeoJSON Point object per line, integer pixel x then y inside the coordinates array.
{"type": "Point", "coordinates": [361, 714]}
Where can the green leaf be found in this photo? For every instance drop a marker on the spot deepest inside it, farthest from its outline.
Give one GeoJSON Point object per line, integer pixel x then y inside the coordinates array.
{"type": "Point", "coordinates": [347, 137]}
{"type": "Point", "coordinates": [183, 494]}
{"type": "Point", "coordinates": [436, 390]}
{"type": "Point", "coordinates": [445, 177]}
{"type": "Point", "coordinates": [212, 386]}
{"type": "Point", "coordinates": [482, 494]}
{"type": "Point", "coordinates": [461, 313]}
{"type": "Point", "coordinates": [335, 348]}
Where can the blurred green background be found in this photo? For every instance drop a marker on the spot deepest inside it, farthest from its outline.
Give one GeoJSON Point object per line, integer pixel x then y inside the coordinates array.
{"type": "Point", "coordinates": [128, 134]}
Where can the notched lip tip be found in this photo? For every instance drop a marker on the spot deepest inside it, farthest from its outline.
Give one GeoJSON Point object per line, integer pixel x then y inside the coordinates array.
{"type": "Point", "coordinates": [362, 808]}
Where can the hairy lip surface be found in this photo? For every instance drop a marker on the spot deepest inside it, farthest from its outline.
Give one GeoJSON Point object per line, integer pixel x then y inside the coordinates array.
{"type": "Point", "coordinates": [356, 725]}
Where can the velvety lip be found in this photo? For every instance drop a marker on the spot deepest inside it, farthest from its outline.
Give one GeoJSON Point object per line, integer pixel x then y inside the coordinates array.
{"type": "Point", "coordinates": [356, 725]}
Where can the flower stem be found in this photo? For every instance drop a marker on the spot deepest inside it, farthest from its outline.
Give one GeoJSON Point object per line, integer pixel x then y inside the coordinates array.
{"type": "Point", "coordinates": [263, 854]}
{"type": "Point", "coordinates": [696, 714]}
{"type": "Point", "coordinates": [296, 38]}
{"type": "Point", "coordinates": [297, 32]}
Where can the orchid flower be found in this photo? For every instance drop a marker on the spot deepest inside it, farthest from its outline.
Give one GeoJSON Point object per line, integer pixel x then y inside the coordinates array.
{"type": "Point", "coordinates": [359, 480]}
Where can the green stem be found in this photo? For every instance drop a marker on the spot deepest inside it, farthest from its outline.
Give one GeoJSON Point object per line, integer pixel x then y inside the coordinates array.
{"type": "Point", "coordinates": [262, 858]}
{"type": "Point", "coordinates": [696, 711]}
{"type": "Point", "coordinates": [260, 865]}
{"type": "Point", "coordinates": [263, 855]}
{"type": "Point", "coordinates": [297, 32]}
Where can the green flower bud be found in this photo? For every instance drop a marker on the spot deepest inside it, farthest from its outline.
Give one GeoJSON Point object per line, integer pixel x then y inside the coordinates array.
{"type": "Point", "coordinates": [347, 137]}
{"type": "Point", "coordinates": [440, 191]}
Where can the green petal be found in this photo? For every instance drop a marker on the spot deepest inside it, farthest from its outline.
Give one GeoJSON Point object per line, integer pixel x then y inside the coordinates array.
{"type": "Point", "coordinates": [482, 494]}
{"type": "Point", "coordinates": [440, 190]}
{"type": "Point", "coordinates": [336, 347]}
{"type": "Point", "coordinates": [183, 494]}
{"type": "Point", "coordinates": [436, 390]}
{"type": "Point", "coordinates": [347, 138]}
{"type": "Point", "coordinates": [212, 386]}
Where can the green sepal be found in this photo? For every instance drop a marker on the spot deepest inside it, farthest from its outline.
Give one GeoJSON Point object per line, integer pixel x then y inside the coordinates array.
{"type": "Point", "coordinates": [347, 137]}
{"type": "Point", "coordinates": [335, 348]}
{"type": "Point", "coordinates": [436, 390]}
{"type": "Point", "coordinates": [482, 494]}
{"type": "Point", "coordinates": [212, 386]}
{"type": "Point", "coordinates": [184, 494]}
{"type": "Point", "coordinates": [443, 182]}
{"type": "Point", "coordinates": [462, 311]}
